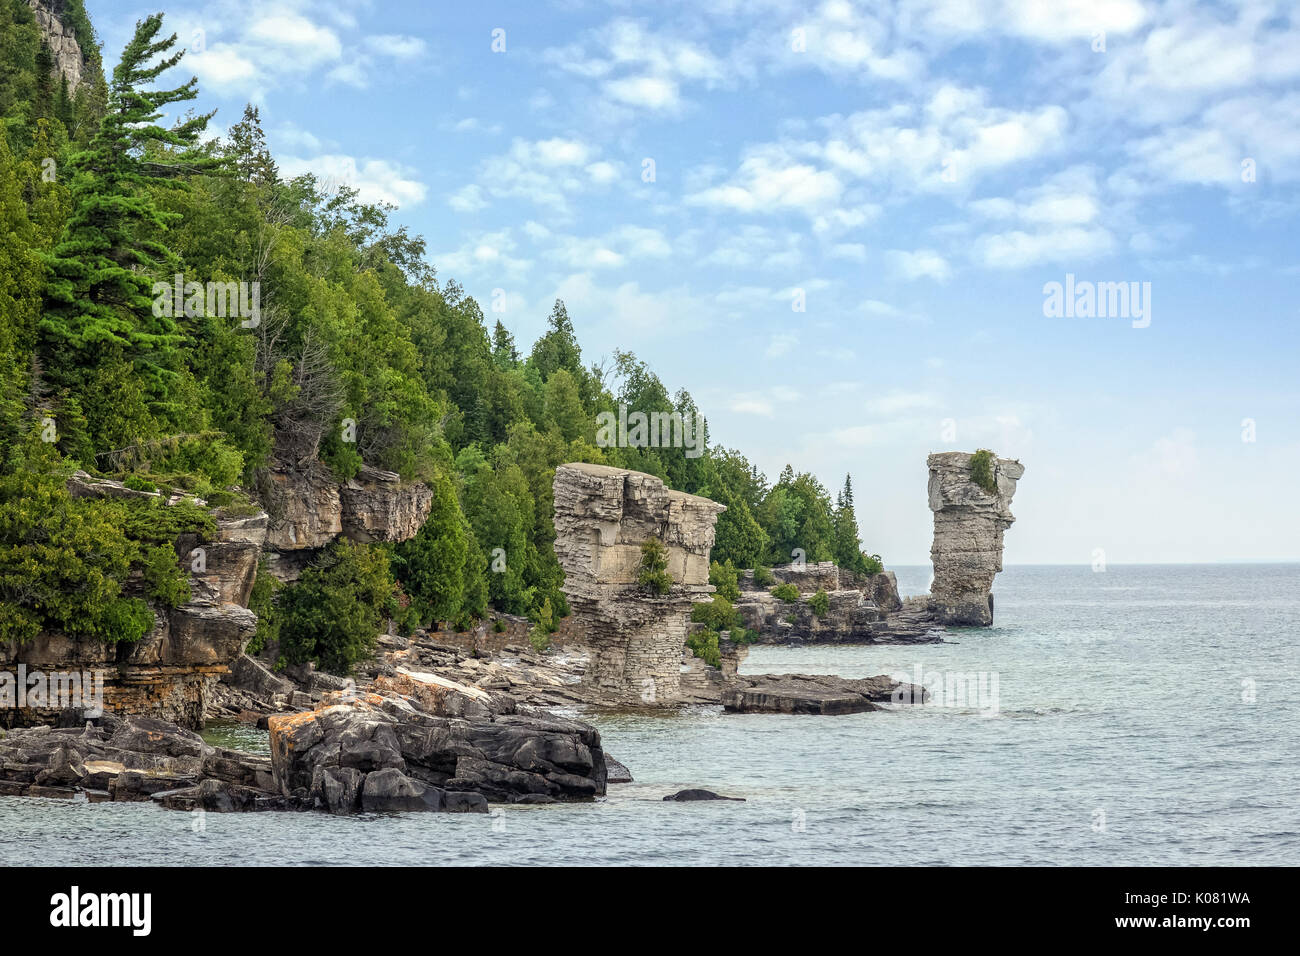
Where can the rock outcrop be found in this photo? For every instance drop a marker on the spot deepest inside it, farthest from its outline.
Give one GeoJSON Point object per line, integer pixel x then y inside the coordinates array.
{"type": "Point", "coordinates": [814, 694]}
{"type": "Point", "coordinates": [863, 609]}
{"type": "Point", "coordinates": [390, 752]}
{"type": "Point", "coordinates": [61, 40]}
{"type": "Point", "coordinates": [172, 671]}
{"type": "Point", "coordinates": [371, 752]}
{"type": "Point", "coordinates": [309, 509]}
{"type": "Point", "coordinates": [602, 517]}
{"type": "Point", "coordinates": [968, 525]}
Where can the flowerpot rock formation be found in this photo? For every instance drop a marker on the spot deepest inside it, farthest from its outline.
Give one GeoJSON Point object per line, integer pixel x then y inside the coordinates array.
{"type": "Point", "coordinates": [602, 517]}
{"type": "Point", "coordinates": [968, 526]}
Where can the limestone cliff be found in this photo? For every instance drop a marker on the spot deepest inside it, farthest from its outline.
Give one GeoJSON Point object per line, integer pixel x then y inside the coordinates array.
{"type": "Point", "coordinates": [171, 672]}
{"type": "Point", "coordinates": [309, 509]}
{"type": "Point", "coordinates": [602, 517]}
{"type": "Point", "coordinates": [59, 36]}
{"type": "Point", "coordinates": [968, 526]}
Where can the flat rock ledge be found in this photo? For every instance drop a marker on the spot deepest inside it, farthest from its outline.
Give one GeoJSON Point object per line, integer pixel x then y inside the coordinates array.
{"type": "Point", "coordinates": [823, 694]}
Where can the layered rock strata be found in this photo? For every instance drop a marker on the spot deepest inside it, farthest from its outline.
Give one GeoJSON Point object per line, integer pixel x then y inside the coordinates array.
{"type": "Point", "coordinates": [969, 522]}
{"type": "Point", "coordinates": [309, 509]}
{"type": "Point", "coordinates": [171, 672]}
{"type": "Point", "coordinates": [602, 517]}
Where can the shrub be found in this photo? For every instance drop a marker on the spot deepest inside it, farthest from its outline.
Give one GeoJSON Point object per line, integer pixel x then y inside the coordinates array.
{"type": "Point", "coordinates": [820, 603]}
{"type": "Point", "coordinates": [739, 635]}
{"type": "Point", "coordinates": [717, 615]}
{"type": "Point", "coordinates": [726, 579]}
{"type": "Point", "coordinates": [785, 592]}
{"type": "Point", "coordinates": [64, 561]}
{"type": "Point", "coordinates": [164, 581]}
{"type": "Point", "coordinates": [332, 614]}
{"type": "Point", "coordinates": [139, 483]}
{"type": "Point", "coordinates": [981, 470]}
{"type": "Point", "coordinates": [654, 575]}
{"type": "Point", "coordinates": [704, 645]}
{"type": "Point", "coordinates": [499, 626]}
{"type": "Point", "coordinates": [262, 603]}
{"type": "Point", "coordinates": [872, 564]}
{"type": "Point", "coordinates": [539, 635]}
{"type": "Point", "coordinates": [762, 576]}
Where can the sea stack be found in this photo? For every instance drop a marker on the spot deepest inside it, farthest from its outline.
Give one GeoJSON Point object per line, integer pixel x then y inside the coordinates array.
{"type": "Point", "coordinates": [602, 517]}
{"type": "Point", "coordinates": [968, 524]}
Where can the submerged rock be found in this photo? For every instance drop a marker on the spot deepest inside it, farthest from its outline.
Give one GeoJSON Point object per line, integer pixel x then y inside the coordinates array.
{"type": "Point", "coordinates": [685, 796]}
{"type": "Point", "coordinates": [814, 694]}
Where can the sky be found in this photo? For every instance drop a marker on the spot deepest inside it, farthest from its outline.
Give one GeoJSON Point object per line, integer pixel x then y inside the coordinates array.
{"type": "Point", "coordinates": [836, 226]}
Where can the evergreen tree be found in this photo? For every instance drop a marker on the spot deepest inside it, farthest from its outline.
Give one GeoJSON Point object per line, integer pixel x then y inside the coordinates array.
{"type": "Point", "coordinates": [99, 308]}
{"type": "Point", "coordinates": [431, 566]}
{"type": "Point", "coordinates": [558, 348]}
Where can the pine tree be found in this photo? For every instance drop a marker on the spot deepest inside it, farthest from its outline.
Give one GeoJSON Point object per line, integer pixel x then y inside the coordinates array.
{"type": "Point", "coordinates": [847, 547]}
{"type": "Point", "coordinates": [558, 348]}
{"type": "Point", "coordinates": [246, 143]}
{"type": "Point", "coordinates": [98, 304]}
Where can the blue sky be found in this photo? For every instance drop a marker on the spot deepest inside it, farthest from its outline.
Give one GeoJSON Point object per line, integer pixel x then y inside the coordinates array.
{"type": "Point", "coordinates": [916, 172]}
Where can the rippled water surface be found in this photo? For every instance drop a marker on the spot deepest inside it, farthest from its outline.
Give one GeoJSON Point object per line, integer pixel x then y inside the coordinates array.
{"type": "Point", "coordinates": [1144, 715]}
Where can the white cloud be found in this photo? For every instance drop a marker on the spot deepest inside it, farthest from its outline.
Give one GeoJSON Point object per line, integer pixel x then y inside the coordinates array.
{"type": "Point", "coordinates": [781, 343]}
{"type": "Point", "coordinates": [919, 264]}
{"type": "Point", "coordinates": [376, 180]}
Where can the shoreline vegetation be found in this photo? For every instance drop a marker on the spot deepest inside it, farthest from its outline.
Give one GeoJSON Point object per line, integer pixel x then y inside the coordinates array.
{"type": "Point", "coordinates": [361, 356]}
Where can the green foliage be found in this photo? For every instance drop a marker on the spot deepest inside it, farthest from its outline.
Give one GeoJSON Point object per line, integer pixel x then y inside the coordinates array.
{"type": "Point", "coordinates": [718, 614]}
{"type": "Point", "coordinates": [431, 566]}
{"type": "Point", "coordinates": [981, 470]}
{"type": "Point", "coordinates": [262, 603]}
{"type": "Point", "coordinates": [762, 576]}
{"type": "Point", "coordinates": [820, 603]}
{"type": "Point", "coordinates": [871, 564]}
{"type": "Point", "coordinates": [654, 576]}
{"type": "Point", "coordinates": [704, 645]}
{"type": "Point", "coordinates": [65, 562]}
{"type": "Point", "coordinates": [100, 336]}
{"type": "Point", "coordinates": [333, 613]}
{"type": "Point", "coordinates": [726, 579]}
{"type": "Point", "coordinates": [539, 635]}
{"type": "Point", "coordinates": [785, 592]}
{"type": "Point", "coordinates": [139, 483]}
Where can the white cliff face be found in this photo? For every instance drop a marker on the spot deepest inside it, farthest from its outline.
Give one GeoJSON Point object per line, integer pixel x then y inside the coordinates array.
{"type": "Point", "coordinates": [968, 527]}
{"type": "Point", "coordinates": [58, 36]}
{"type": "Point", "coordinates": [602, 517]}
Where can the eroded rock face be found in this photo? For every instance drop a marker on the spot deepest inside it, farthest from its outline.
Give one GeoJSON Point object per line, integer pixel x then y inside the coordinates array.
{"type": "Point", "coordinates": [968, 527]}
{"type": "Point", "coordinates": [602, 517]}
{"type": "Point", "coordinates": [62, 42]}
{"type": "Point", "coordinates": [171, 672]}
{"type": "Point", "coordinates": [309, 510]}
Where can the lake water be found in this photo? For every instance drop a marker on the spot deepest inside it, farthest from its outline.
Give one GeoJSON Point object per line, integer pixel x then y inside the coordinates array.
{"type": "Point", "coordinates": [1145, 715]}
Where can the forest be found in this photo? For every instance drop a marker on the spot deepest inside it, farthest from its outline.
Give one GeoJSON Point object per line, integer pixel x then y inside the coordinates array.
{"type": "Point", "coordinates": [362, 353]}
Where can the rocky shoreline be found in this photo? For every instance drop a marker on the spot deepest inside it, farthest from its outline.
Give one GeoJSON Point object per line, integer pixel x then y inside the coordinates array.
{"type": "Point", "coordinates": [454, 721]}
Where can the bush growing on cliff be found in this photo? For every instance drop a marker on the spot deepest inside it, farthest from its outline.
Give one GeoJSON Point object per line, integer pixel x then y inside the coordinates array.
{"type": "Point", "coordinates": [762, 576]}
{"type": "Point", "coordinates": [820, 603]}
{"type": "Point", "coordinates": [872, 564]}
{"type": "Point", "coordinates": [654, 575]}
{"type": "Point", "coordinates": [262, 603]}
{"type": "Point", "coordinates": [726, 579]}
{"type": "Point", "coordinates": [717, 615]}
{"type": "Point", "coordinates": [704, 645]}
{"type": "Point", "coordinates": [981, 470]}
{"type": "Point", "coordinates": [333, 613]}
{"type": "Point", "coordinates": [786, 592]}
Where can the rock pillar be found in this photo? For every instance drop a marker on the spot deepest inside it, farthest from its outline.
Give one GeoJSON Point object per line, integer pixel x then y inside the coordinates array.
{"type": "Point", "coordinates": [602, 517]}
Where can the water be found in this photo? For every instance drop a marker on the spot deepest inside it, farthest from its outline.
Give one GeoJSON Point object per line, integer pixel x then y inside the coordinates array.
{"type": "Point", "coordinates": [1122, 736]}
